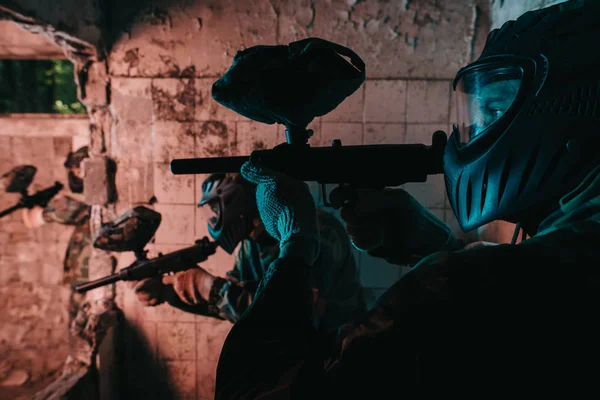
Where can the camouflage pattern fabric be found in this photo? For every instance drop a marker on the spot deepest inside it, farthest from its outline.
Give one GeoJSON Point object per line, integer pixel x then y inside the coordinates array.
{"type": "Point", "coordinates": [68, 210]}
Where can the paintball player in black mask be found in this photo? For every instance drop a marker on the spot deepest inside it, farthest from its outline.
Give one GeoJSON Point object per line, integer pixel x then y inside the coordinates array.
{"type": "Point", "coordinates": [229, 207]}
{"type": "Point", "coordinates": [483, 319]}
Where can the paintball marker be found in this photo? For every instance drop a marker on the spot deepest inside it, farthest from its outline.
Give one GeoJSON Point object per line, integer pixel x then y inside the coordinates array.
{"type": "Point", "coordinates": [293, 84]}
{"type": "Point", "coordinates": [17, 180]}
{"type": "Point", "coordinates": [131, 232]}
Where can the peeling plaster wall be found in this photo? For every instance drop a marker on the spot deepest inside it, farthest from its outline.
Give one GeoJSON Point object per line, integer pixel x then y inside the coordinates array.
{"type": "Point", "coordinates": [396, 39]}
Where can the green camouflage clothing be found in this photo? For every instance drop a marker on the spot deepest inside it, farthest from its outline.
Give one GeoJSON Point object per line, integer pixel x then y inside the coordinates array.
{"type": "Point", "coordinates": [68, 210]}
{"type": "Point", "coordinates": [337, 292]}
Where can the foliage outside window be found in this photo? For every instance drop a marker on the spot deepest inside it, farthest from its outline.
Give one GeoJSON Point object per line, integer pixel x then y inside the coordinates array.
{"type": "Point", "coordinates": [38, 86]}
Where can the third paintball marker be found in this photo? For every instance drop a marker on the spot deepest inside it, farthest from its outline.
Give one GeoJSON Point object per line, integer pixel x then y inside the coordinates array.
{"type": "Point", "coordinates": [17, 180]}
{"type": "Point", "coordinates": [131, 232]}
{"type": "Point", "coordinates": [291, 85]}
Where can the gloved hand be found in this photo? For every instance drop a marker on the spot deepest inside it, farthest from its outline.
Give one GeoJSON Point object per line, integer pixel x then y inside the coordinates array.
{"type": "Point", "coordinates": [392, 224]}
{"type": "Point", "coordinates": [192, 286]}
{"type": "Point", "coordinates": [287, 210]}
{"type": "Point", "coordinates": [149, 291]}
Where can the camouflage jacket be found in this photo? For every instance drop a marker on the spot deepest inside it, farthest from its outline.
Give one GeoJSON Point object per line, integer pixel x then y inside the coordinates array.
{"type": "Point", "coordinates": [67, 210]}
{"type": "Point", "coordinates": [337, 292]}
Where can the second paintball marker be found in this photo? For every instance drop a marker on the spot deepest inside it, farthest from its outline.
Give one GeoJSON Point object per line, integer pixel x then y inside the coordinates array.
{"type": "Point", "coordinates": [291, 85]}
{"type": "Point", "coordinates": [131, 232]}
{"type": "Point", "coordinates": [17, 180]}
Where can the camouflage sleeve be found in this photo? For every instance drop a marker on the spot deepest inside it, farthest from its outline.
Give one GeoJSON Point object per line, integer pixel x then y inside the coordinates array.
{"type": "Point", "coordinates": [337, 279]}
{"type": "Point", "coordinates": [65, 210]}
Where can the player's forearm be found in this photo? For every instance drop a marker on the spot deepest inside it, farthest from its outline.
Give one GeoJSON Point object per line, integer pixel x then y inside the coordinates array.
{"type": "Point", "coordinates": [205, 285]}
{"type": "Point", "coordinates": [32, 218]}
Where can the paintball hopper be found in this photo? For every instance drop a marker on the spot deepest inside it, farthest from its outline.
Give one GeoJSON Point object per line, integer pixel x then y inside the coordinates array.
{"type": "Point", "coordinates": [131, 231]}
{"type": "Point", "coordinates": [18, 179]}
{"type": "Point", "coordinates": [290, 84]}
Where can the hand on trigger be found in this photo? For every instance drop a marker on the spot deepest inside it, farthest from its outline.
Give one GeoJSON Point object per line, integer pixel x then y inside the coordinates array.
{"type": "Point", "coordinates": [149, 291]}
{"type": "Point", "coordinates": [371, 217]}
{"type": "Point", "coordinates": [392, 224]}
{"type": "Point", "coordinates": [192, 286]}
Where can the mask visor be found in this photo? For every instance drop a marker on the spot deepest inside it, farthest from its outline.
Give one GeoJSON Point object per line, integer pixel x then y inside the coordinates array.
{"type": "Point", "coordinates": [483, 95]}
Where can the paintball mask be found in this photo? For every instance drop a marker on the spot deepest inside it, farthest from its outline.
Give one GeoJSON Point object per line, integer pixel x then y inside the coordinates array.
{"type": "Point", "coordinates": [74, 160]}
{"type": "Point", "coordinates": [228, 206]}
{"type": "Point", "coordinates": [527, 117]}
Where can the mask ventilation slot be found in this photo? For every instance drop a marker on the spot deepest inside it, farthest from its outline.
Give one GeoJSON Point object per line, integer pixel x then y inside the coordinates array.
{"type": "Point", "coordinates": [528, 169]}
{"type": "Point", "coordinates": [457, 196]}
{"type": "Point", "coordinates": [504, 178]}
{"type": "Point", "coordinates": [484, 188]}
{"type": "Point", "coordinates": [552, 166]}
{"type": "Point", "coordinates": [469, 197]}
{"type": "Point", "coordinates": [581, 102]}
